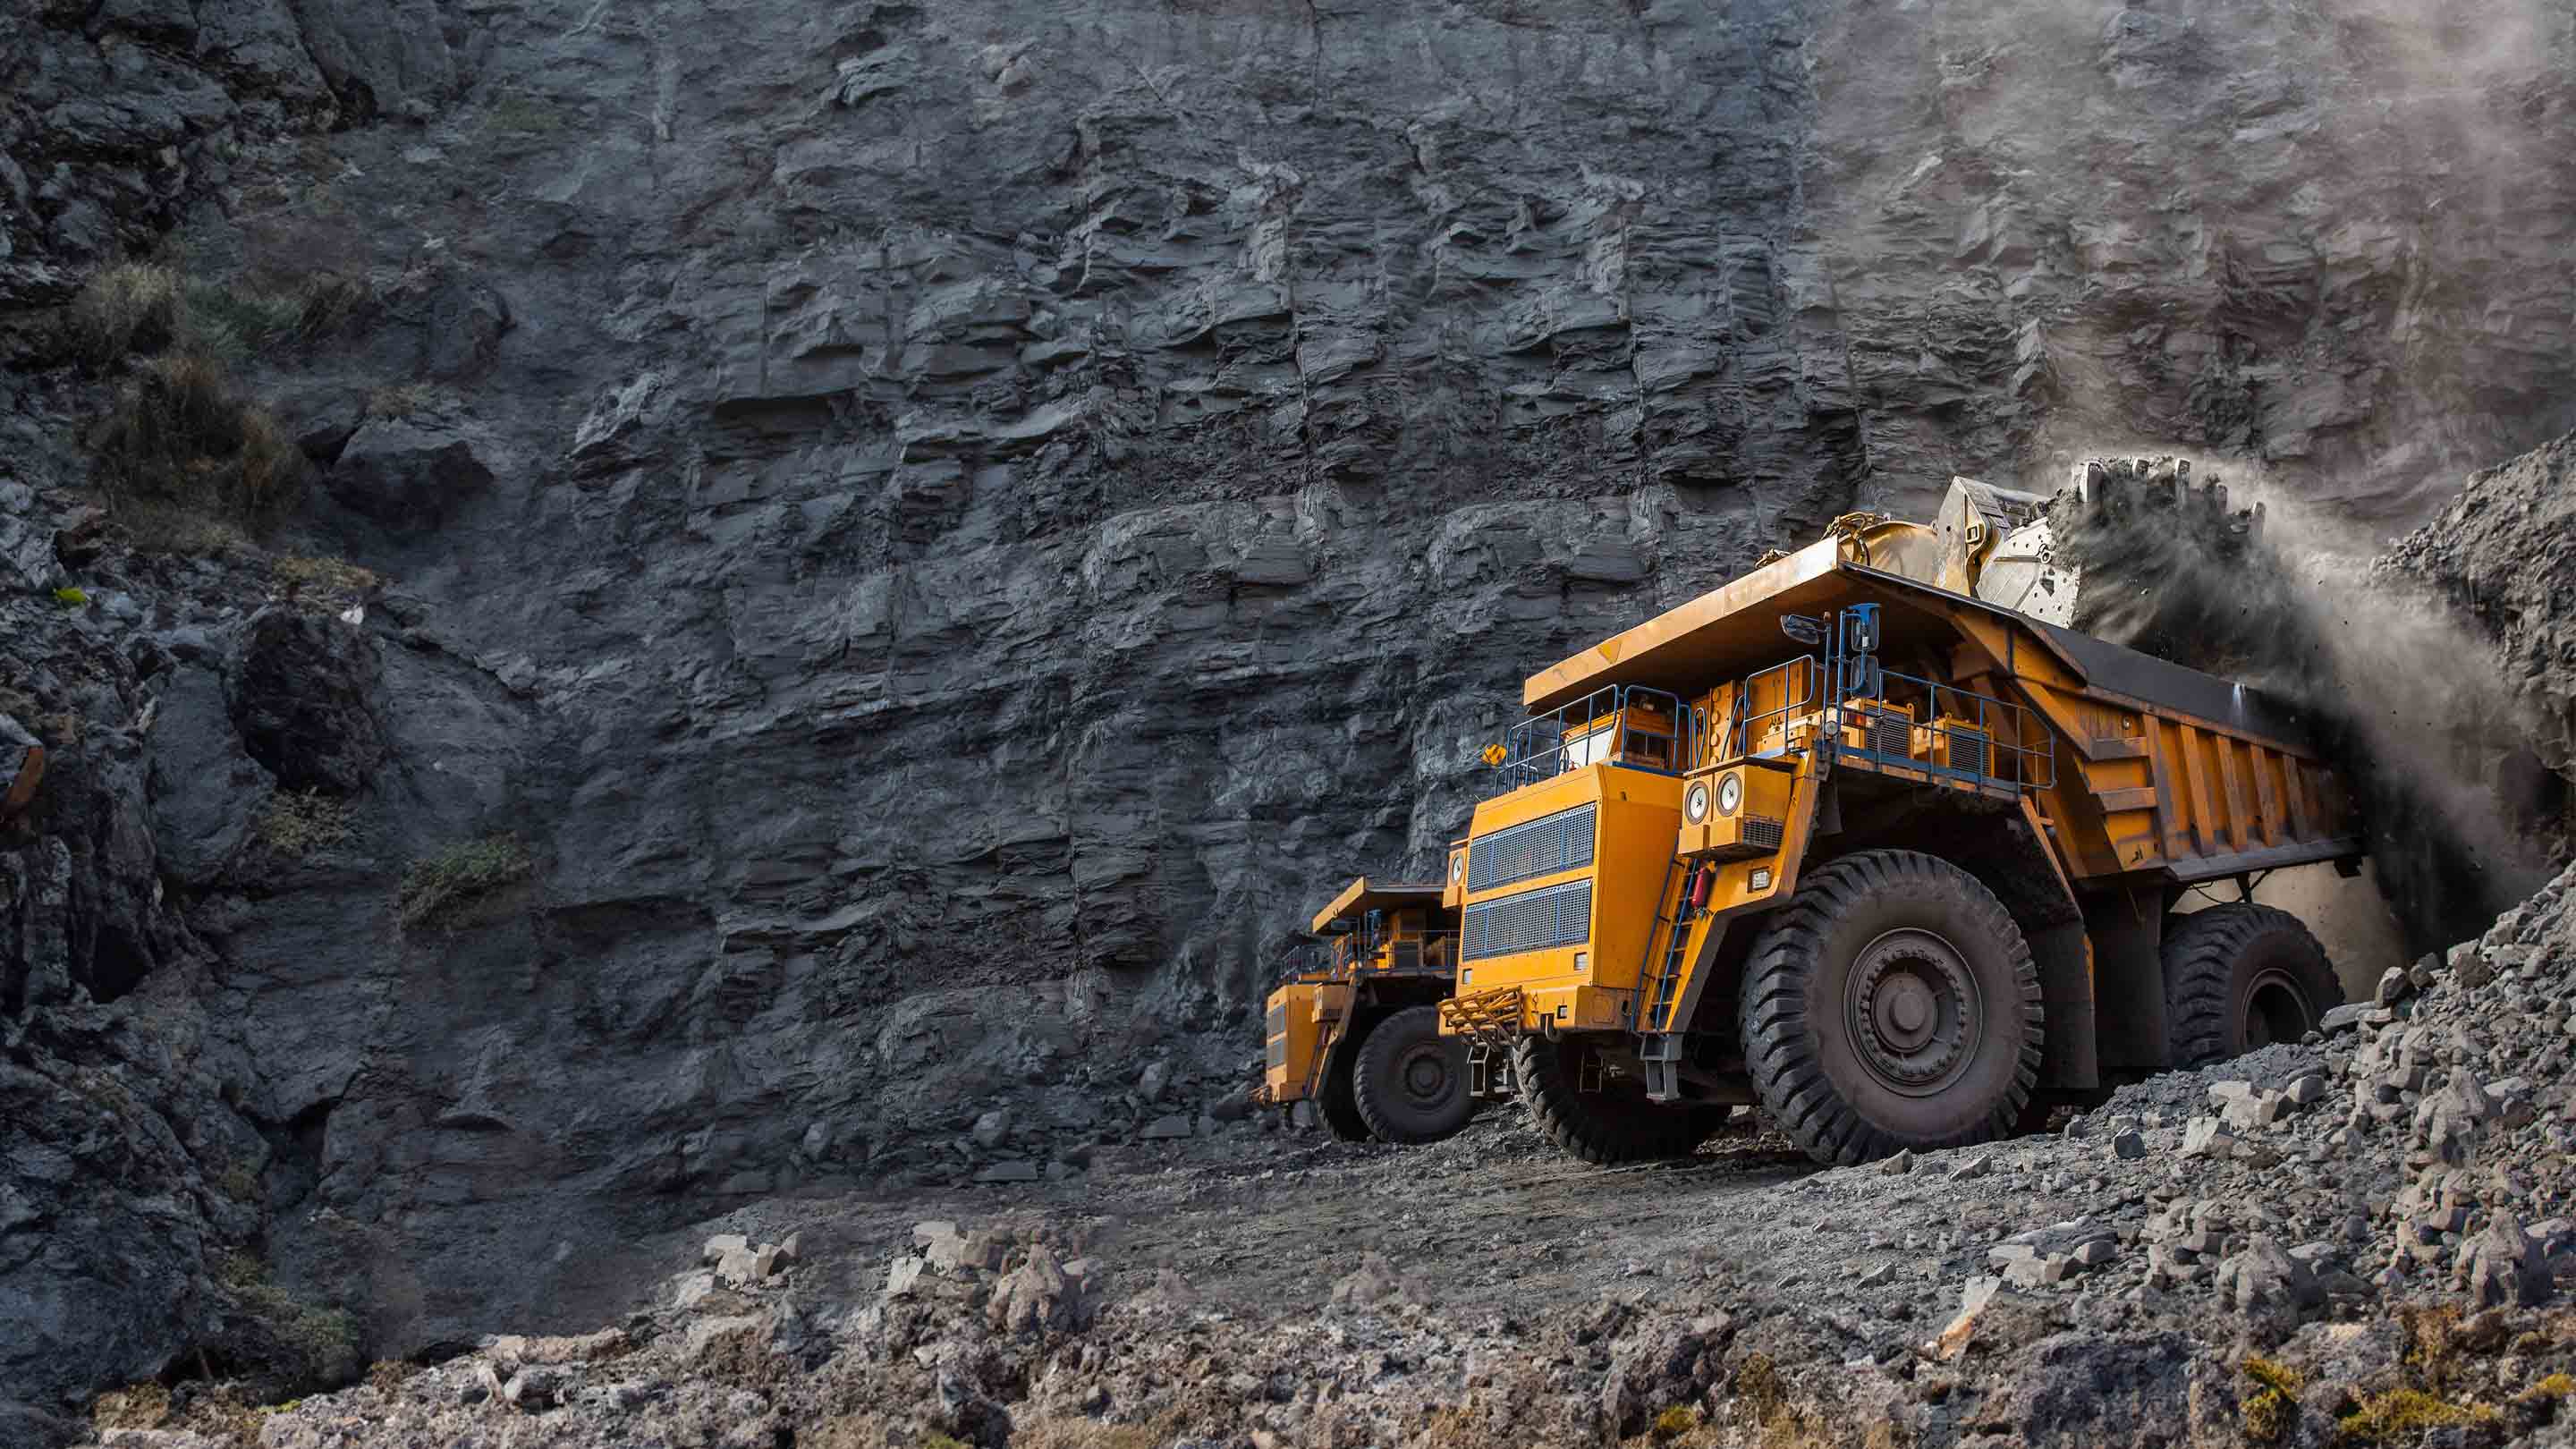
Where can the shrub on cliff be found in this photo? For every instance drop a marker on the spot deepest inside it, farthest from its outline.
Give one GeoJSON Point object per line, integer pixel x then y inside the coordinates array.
{"type": "Point", "coordinates": [180, 432]}
{"type": "Point", "coordinates": [435, 887]}
{"type": "Point", "coordinates": [127, 308]}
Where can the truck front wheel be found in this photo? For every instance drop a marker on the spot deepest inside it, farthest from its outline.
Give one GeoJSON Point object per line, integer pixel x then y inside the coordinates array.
{"type": "Point", "coordinates": [2241, 976]}
{"type": "Point", "coordinates": [1410, 1082]}
{"type": "Point", "coordinates": [1891, 1004]}
{"type": "Point", "coordinates": [1613, 1123]}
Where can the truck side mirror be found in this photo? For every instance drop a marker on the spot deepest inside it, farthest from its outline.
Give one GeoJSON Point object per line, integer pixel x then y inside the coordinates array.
{"type": "Point", "coordinates": [1810, 632]}
{"type": "Point", "coordinates": [1860, 632]}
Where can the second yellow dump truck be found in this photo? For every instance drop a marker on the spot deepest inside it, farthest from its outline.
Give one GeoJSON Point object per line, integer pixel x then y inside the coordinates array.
{"type": "Point", "coordinates": [1355, 1028]}
{"type": "Point", "coordinates": [1866, 838]}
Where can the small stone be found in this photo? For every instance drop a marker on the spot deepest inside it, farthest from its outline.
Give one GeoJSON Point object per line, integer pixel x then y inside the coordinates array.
{"type": "Point", "coordinates": [1151, 1081]}
{"type": "Point", "coordinates": [1877, 1275]}
{"type": "Point", "coordinates": [1016, 1171]}
{"type": "Point", "coordinates": [708, 1334]}
{"type": "Point", "coordinates": [2394, 986]}
{"type": "Point", "coordinates": [2096, 1253]}
{"type": "Point", "coordinates": [1899, 1165]}
{"type": "Point", "coordinates": [2503, 1266]}
{"type": "Point", "coordinates": [532, 1389]}
{"type": "Point", "coordinates": [1973, 1168]}
{"type": "Point", "coordinates": [903, 1275]}
{"type": "Point", "coordinates": [721, 1244]}
{"type": "Point", "coordinates": [739, 1268]}
{"type": "Point", "coordinates": [1168, 1126]}
{"type": "Point", "coordinates": [2308, 1089]}
{"type": "Point", "coordinates": [2207, 1137]}
{"type": "Point", "coordinates": [940, 1242]}
{"type": "Point", "coordinates": [992, 1128]}
{"type": "Point", "coordinates": [693, 1289]}
{"type": "Point", "coordinates": [792, 1249]}
{"type": "Point", "coordinates": [2129, 1146]}
{"type": "Point", "coordinates": [2343, 1018]}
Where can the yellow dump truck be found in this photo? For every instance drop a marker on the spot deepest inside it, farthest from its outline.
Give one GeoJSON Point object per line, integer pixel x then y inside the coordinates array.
{"type": "Point", "coordinates": [1355, 1029]}
{"type": "Point", "coordinates": [1867, 839]}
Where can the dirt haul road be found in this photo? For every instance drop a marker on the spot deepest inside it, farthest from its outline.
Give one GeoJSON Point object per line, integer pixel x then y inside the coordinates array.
{"type": "Point", "coordinates": [2358, 1241]}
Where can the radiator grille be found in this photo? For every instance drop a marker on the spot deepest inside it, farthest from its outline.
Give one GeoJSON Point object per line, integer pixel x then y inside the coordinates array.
{"type": "Point", "coordinates": [1543, 846]}
{"type": "Point", "coordinates": [1891, 734]}
{"type": "Point", "coordinates": [1968, 750]}
{"type": "Point", "coordinates": [1531, 921]}
{"type": "Point", "coordinates": [1763, 831]}
{"type": "Point", "coordinates": [1279, 1019]}
{"type": "Point", "coordinates": [1279, 1051]}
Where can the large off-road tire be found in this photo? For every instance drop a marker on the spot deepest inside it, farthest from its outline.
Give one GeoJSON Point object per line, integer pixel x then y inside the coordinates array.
{"type": "Point", "coordinates": [1338, 1104]}
{"type": "Point", "coordinates": [1410, 1081]}
{"type": "Point", "coordinates": [1613, 1125]}
{"type": "Point", "coordinates": [1891, 1004]}
{"type": "Point", "coordinates": [2240, 976]}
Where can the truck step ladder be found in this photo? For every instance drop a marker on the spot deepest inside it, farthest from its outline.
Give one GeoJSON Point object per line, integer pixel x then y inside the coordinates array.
{"type": "Point", "coordinates": [1659, 1042]}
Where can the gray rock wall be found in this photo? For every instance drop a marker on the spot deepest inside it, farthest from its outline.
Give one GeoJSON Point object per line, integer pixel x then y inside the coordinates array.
{"type": "Point", "coordinates": [946, 529]}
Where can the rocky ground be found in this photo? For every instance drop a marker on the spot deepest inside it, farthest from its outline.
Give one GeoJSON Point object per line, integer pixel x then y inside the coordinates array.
{"type": "Point", "coordinates": [2361, 1240]}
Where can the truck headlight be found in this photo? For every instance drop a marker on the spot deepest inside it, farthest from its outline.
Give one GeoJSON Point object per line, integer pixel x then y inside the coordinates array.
{"type": "Point", "coordinates": [1730, 794]}
{"type": "Point", "coordinates": [1695, 803]}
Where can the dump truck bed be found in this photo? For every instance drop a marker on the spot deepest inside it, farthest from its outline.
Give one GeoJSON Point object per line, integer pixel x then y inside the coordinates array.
{"type": "Point", "coordinates": [2160, 768]}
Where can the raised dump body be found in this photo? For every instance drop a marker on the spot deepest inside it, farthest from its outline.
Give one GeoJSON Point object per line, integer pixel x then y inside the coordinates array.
{"type": "Point", "coordinates": [1891, 860]}
{"type": "Point", "coordinates": [1355, 1028]}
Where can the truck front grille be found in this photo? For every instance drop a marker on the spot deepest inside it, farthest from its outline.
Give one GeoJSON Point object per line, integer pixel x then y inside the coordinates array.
{"type": "Point", "coordinates": [1544, 846]}
{"type": "Point", "coordinates": [1531, 921]}
{"type": "Point", "coordinates": [1763, 831]}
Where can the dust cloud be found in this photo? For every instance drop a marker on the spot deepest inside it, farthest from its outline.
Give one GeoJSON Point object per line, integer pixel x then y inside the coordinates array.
{"type": "Point", "coordinates": [2251, 586]}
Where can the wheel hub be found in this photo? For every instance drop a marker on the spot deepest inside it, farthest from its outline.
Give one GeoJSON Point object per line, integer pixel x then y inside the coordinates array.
{"type": "Point", "coordinates": [1913, 1008]}
{"type": "Point", "coordinates": [1425, 1074]}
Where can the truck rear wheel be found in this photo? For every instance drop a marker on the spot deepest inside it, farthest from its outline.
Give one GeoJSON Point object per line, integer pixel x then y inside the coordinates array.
{"type": "Point", "coordinates": [1409, 1080]}
{"type": "Point", "coordinates": [1891, 1004]}
{"type": "Point", "coordinates": [1614, 1124]}
{"type": "Point", "coordinates": [2241, 976]}
{"type": "Point", "coordinates": [1338, 1104]}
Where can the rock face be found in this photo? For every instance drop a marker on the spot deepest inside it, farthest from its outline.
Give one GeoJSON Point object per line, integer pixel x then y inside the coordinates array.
{"type": "Point", "coordinates": [941, 529]}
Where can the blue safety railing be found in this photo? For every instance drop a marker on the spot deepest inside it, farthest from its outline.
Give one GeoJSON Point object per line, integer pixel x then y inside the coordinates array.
{"type": "Point", "coordinates": [1968, 736]}
{"type": "Point", "coordinates": [1601, 728]}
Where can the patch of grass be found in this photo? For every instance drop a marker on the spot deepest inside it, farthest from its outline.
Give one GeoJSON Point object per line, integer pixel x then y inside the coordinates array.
{"type": "Point", "coordinates": [127, 308]}
{"type": "Point", "coordinates": [302, 1343]}
{"type": "Point", "coordinates": [322, 578]}
{"type": "Point", "coordinates": [387, 1375]}
{"type": "Point", "coordinates": [179, 432]}
{"type": "Point", "coordinates": [240, 1183]}
{"type": "Point", "coordinates": [1677, 1420]}
{"type": "Point", "coordinates": [400, 400]}
{"type": "Point", "coordinates": [295, 826]}
{"type": "Point", "coordinates": [2271, 1407]}
{"type": "Point", "coordinates": [72, 598]}
{"type": "Point", "coordinates": [136, 1406]}
{"type": "Point", "coordinates": [2556, 1386]}
{"type": "Point", "coordinates": [2401, 1416]}
{"type": "Point", "coordinates": [516, 113]}
{"type": "Point", "coordinates": [160, 526]}
{"type": "Point", "coordinates": [433, 888]}
{"type": "Point", "coordinates": [234, 324]}
{"type": "Point", "coordinates": [1758, 1387]}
